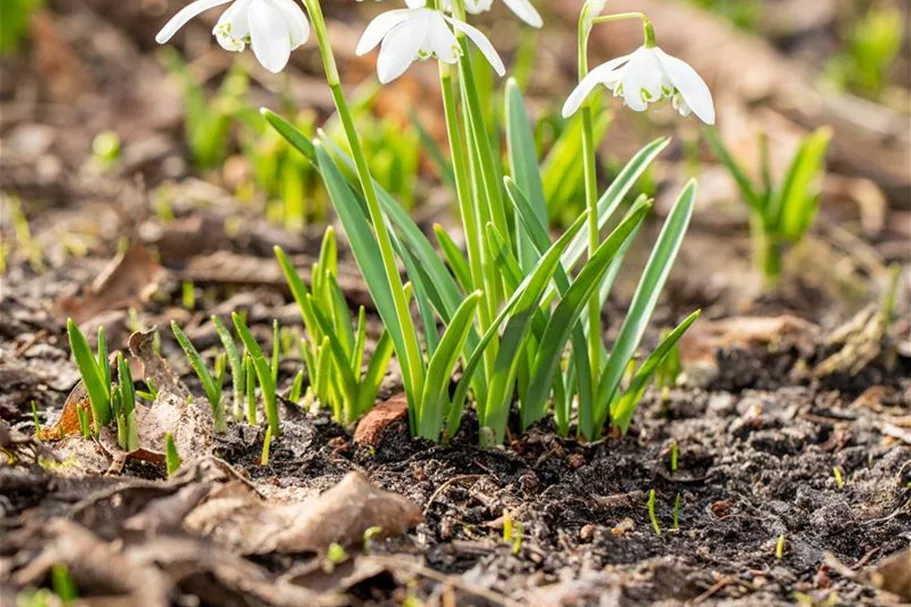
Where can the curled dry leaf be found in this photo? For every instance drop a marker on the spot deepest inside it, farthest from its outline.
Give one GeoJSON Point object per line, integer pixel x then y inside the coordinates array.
{"type": "Point", "coordinates": [190, 424]}
{"type": "Point", "coordinates": [238, 519]}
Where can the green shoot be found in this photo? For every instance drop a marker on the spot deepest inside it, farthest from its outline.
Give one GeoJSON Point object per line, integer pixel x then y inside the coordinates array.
{"type": "Point", "coordinates": [250, 377]}
{"type": "Point", "coordinates": [106, 148]}
{"type": "Point", "coordinates": [63, 584]}
{"type": "Point", "coordinates": [674, 454]}
{"type": "Point", "coordinates": [151, 394]}
{"type": "Point", "coordinates": [333, 350]}
{"type": "Point", "coordinates": [95, 375]}
{"type": "Point", "coordinates": [128, 432]}
{"type": "Point", "coordinates": [188, 295]}
{"type": "Point", "coordinates": [782, 214]}
{"type": "Point", "coordinates": [677, 512]}
{"type": "Point", "coordinates": [83, 415]}
{"type": "Point", "coordinates": [267, 444]}
{"type": "Point", "coordinates": [276, 350]}
{"type": "Point", "coordinates": [779, 547]}
{"type": "Point", "coordinates": [839, 477]}
{"type": "Point", "coordinates": [872, 46]}
{"type": "Point", "coordinates": [15, 16]}
{"type": "Point", "coordinates": [263, 372]}
{"type": "Point", "coordinates": [36, 420]}
{"type": "Point", "coordinates": [513, 532]}
{"type": "Point", "coordinates": [211, 385]}
{"type": "Point", "coordinates": [237, 367]}
{"type": "Point", "coordinates": [172, 458]}
{"type": "Point", "coordinates": [651, 512]}
{"type": "Point", "coordinates": [336, 554]}
{"type": "Point", "coordinates": [297, 387]}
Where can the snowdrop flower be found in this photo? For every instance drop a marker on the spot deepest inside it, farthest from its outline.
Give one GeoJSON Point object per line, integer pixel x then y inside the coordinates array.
{"type": "Point", "coordinates": [523, 9]}
{"type": "Point", "coordinates": [417, 32]}
{"type": "Point", "coordinates": [273, 28]}
{"type": "Point", "coordinates": [646, 76]}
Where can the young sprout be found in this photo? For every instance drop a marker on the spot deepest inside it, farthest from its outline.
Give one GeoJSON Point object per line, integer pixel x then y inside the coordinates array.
{"type": "Point", "coordinates": [781, 214]}
{"type": "Point", "coordinates": [127, 430]}
{"type": "Point", "coordinates": [188, 295]}
{"type": "Point", "coordinates": [95, 372]}
{"type": "Point", "coordinates": [237, 366]}
{"type": "Point", "coordinates": [63, 584]}
{"type": "Point", "coordinates": [779, 547]}
{"type": "Point", "coordinates": [651, 512]}
{"type": "Point", "coordinates": [151, 394]}
{"type": "Point", "coordinates": [172, 458]}
{"type": "Point", "coordinates": [335, 556]}
{"type": "Point", "coordinates": [297, 387]}
{"type": "Point", "coordinates": [212, 386]}
{"type": "Point", "coordinates": [839, 477]}
{"type": "Point", "coordinates": [276, 350]}
{"type": "Point", "coordinates": [674, 455]}
{"type": "Point", "coordinates": [83, 415]}
{"type": "Point", "coordinates": [263, 372]}
{"type": "Point", "coordinates": [250, 376]}
{"type": "Point", "coordinates": [267, 444]}
{"type": "Point", "coordinates": [36, 420]}
{"type": "Point", "coordinates": [677, 512]}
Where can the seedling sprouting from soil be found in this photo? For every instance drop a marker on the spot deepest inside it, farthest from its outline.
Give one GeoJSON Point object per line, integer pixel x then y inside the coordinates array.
{"type": "Point", "coordinates": [839, 477]}
{"type": "Point", "coordinates": [651, 512]}
{"type": "Point", "coordinates": [781, 214]}
{"type": "Point", "coordinates": [779, 547]}
{"type": "Point", "coordinates": [237, 367]}
{"type": "Point", "coordinates": [36, 420]}
{"type": "Point", "coordinates": [211, 385]}
{"type": "Point", "coordinates": [334, 349]}
{"type": "Point", "coordinates": [264, 372]}
{"type": "Point", "coordinates": [95, 372]}
{"type": "Point", "coordinates": [677, 512]}
{"type": "Point", "coordinates": [267, 445]}
{"type": "Point", "coordinates": [674, 455]}
{"type": "Point", "coordinates": [172, 458]}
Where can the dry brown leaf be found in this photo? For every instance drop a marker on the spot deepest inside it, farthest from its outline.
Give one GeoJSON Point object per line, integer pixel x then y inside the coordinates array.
{"type": "Point", "coordinates": [123, 283]}
{"type": "Point", "coordinates": [240, 520]}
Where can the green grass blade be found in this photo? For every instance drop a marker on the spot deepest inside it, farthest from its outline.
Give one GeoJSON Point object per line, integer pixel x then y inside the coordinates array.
{"type": "Point", "coordinates": [298, 290]}
{"type": "Point", "coordinates": [644, 301]}
{"type": "Point", "coordinates": [291, 134]}
{"type": "Point", "coordinates": [439, 372]}
{"type": "Point", "coordinates": [567, 314]}
{"type": "Point", "coordinates": [263, 372]}
{"type": "Point", "coordinates": [357, 356]}
{"type": "Point", "coordinates": [429, 144]}
{"type": "Point", "coordinates": [104, 361]}
{"type": "Point", "coordinates": [276, 349]}
{"type": "Point", "coordinates": [92, 376]}
{"type": "Point", "coordinates": [213, 392]}
{"type": "Point", "coordinates": [622, 413]}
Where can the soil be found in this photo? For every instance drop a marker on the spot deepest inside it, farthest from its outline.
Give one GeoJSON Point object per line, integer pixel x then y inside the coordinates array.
{"type": "Point", "coordinates": [793, 485]}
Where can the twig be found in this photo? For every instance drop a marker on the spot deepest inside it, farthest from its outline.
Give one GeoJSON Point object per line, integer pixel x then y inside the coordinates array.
{"type": "Point", "coordinates": [711, 591]}
{"type": "Point", "coordinates": [446, 485]}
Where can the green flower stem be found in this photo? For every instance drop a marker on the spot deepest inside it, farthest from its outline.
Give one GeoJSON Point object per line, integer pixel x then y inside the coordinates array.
{"type": "Point", "coordinates": [412, 362]}
{"type": "Point", "coordinates": [591, 202]}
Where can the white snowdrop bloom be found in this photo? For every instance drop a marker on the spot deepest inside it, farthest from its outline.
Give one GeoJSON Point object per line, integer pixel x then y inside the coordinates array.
{"type": "Point", "coordinates": [417, 32]}
{"type": "Point", "coordinates": [273, 28]}
{"type": "Point", "coordinates": [523, 9]}
{"type": "Point", "coordinates": [646, 76]}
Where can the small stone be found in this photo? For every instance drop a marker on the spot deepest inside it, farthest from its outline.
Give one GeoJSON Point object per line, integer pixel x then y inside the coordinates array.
{"type": "Point", "coordinates": [624, 526]}
{"type": "Point", "coordinates": [587, 533]}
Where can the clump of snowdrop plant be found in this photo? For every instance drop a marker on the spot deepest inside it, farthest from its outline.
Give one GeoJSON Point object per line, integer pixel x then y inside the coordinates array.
{"type": "Point", "coordinates": [510, 302]}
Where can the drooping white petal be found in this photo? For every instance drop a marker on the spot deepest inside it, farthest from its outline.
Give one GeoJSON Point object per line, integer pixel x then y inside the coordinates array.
{"type": "Point", "coordinates": [643, 79]}
{"type": "Point", "coordinates": [379, 28]}
{"type": "Point", "coordinates": [474, 7]}
{"type": "Point", "coordinates": [298, 25]}
{"type": "Point", "coordinates": [184, 16]}
{"type": "Point", "coordinates": [525, 11]}
{"type": "Point", "coordinates": [607, 74]}
{"type": "Point", "coordinates": [415, 3]}
{"type": "Point", "coordinates": [401, 46]}
{"type": "Point", "coordinates": [441, 41]}
{"type": "Point", "coordinates": [691, 86]}
{"type": "Point", "coordinates": [233, 27]}
{"type": "Point", "coordinates": [269, 35]}
{"type": "Point", "coordinates": [481, 41]}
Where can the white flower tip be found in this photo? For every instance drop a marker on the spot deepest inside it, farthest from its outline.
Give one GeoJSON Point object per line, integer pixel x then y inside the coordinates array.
{"type": "Point", "coordinates": [162, 37]}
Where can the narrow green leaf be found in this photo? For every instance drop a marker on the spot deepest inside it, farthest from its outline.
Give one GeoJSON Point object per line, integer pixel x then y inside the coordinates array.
{"type": "Point", "coordinates": [439, 371]}
{"type": "Point", "coordinates": [622, 413]}
{"type": "Point", "coordinates": [236, 363]}
{"type": "Point", "coordinates": [92, 376]}
{"type": "Point", "coordinates": [263, 372]}
{"type": "Point", "coordinates": [291, 133]}
{"type": "Point", "coordinates": [523, 163]}
{"type": "Point", "coordinates": [213, 393]}
{"type": "Point", "coordinates": [645, 299]}
{"type": "Point", "coordinates": [734, 168]}
{"type": "Point", "coordinates": [568, 312]}
{"type": "Point", "coordinates": [455, 258]}
{"type": "Point", "coordinates": [172, 458]}
{"type": "Point", "coordinates": [798, 201]}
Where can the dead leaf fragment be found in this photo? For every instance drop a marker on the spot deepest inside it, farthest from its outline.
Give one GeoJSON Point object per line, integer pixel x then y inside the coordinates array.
{"type": "Point", "coordinates": [238, 519]}
{"type": "Point", "coordinates": [894, 575]}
